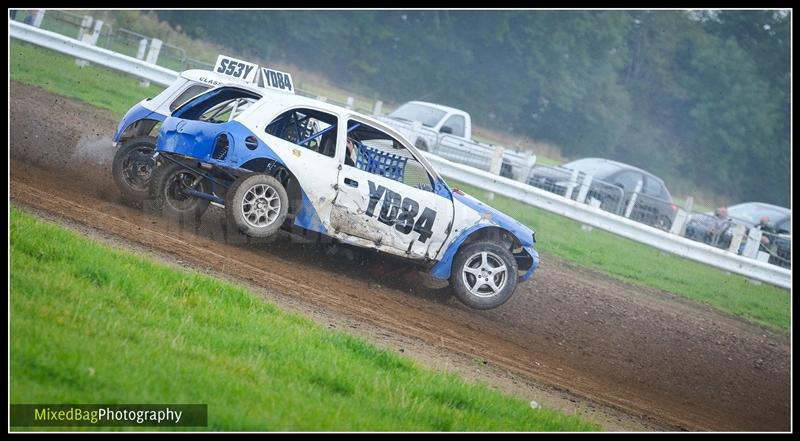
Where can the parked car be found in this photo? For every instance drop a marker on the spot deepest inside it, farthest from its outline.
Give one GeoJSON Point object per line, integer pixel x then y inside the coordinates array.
{"type": "Point", "coordinates": [447, 132]}
{"type": "Point", "coordinates": [272, 160]}
{"type": "Point", "coordinates": [613, 185]}
{"type": "Point", "coordinates": [701, 227]}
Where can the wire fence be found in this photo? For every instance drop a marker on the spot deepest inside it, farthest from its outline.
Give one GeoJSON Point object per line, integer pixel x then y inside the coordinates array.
{"type": "Point", "coordinates": [119, 40]}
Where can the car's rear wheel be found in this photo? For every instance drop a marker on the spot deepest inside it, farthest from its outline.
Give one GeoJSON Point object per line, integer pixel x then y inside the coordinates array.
{"type": "Point", "coordinates": [484, 275]}
{"type": "Point", "coordinates": [257, 205]}
{"type": "Point", "coordinates": [133, 167]}
{"type": "Point", "coordinates": [168, 195]}
{"type": "Point", "coordinates": [664, 222]}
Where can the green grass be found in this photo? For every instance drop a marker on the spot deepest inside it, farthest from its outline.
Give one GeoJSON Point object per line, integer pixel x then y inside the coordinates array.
{"type": "Point", "coordinates": [90, 324]}
{"type": "Point", "coordinates": [59, 74]}
{"type": "Point", "coordinates": [599, 250]}
{"type": "Point", "coordinates": [644, 265]}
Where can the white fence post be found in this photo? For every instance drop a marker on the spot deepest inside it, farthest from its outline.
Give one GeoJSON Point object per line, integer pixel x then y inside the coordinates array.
{"type": "Point", "coordinates": [84, 34]}
{"type": "Point", "coordinates": [155, 48]}
{"type": "Point", "coordinates": [587, 182]}
{"type": "Point", "coordinates": [378, 107]}
{"type": "Point", "coordinates": [680, 222]}
{"type": "Point", "coordinates": [752, 244]}
{"type": "Point", "coordinates": [736, 240]}
{"type": "Point", "coordinates": [152, 56]}
{"type": "Point", "coordinates": [98, 26]}
{"type": "Point", "coordinates": [632, 202]}
{"type": "Point", "coordinates": [142, 49]}
{"type": "Point", "coordinates": [497, 160]}
{"type": "Point", "coordinates": [86, 23]}
{"type": "Point", "coordinates": [573, 181]}
{"type": "Point", "coordinates": [38, 18]}
{"type": "Point", "coordinates": [682, 217]}
{"type": "Point", "coordinates": [530, 162]}
{"type": "Point", "coordinates": [495, 166]}
{"type": "Point", "coordinates": [349, 104]}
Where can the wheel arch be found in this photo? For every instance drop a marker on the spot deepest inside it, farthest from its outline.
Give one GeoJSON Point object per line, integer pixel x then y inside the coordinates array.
{"type": "Point", "coordinates": [138, 128]}
{"type": "Point", "coordinates": [490, 232]}
{"type": "Point", "coordinates": [278, 170]}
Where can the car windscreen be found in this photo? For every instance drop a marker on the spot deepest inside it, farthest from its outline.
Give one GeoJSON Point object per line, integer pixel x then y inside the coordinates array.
{"type": "Point", "coordinates": [600, 169]}
{"type": "Point", "coordinates": [752, 213]}
{"type": "Point", "coordinates": [428, 116]}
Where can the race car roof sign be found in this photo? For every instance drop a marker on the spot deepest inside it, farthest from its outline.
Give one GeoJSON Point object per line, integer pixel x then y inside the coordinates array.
{"type": "Point", "coordinates": [276, 79]}
{"type": "Point", "coordinates": [236, 69]}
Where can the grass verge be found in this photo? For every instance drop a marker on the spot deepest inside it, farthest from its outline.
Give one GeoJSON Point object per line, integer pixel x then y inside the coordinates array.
{"type": "Point", "coordinates": [96, 325]}
{"type": "Point", "coordinates": [619, 257]}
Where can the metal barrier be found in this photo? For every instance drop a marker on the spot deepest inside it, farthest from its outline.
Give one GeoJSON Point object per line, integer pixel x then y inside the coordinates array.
{"type": "Point", "coordinates": [527, 194]}
{"type": "Point", "coordinates": [556, 180]}
{"type": "Point", "coordinates": [172, 57]}
{"type": "Point", "coordinates": [576, 185]}
{"type": "Point", "coordinates": [652, 210]}
{"type": "Point", "coordinates": [610, 197]}
{"type": "Point", "coordinates": [191, 63]}
{"type": "Point", "coordinates": [710, 229]}
{"type": "Point", "coordinates": [127, 42]}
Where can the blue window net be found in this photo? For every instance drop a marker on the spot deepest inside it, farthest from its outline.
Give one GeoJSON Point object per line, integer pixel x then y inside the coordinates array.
{"type": "Point", "coordinates": [381, 163]}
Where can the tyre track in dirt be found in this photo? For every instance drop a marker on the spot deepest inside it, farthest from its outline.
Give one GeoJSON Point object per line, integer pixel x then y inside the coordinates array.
{"type": "Point", "coordinates": [649, 353]}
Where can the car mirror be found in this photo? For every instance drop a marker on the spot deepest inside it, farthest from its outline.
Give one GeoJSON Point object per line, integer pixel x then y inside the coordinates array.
{"type": "Point", "coordinates": [446, 129]}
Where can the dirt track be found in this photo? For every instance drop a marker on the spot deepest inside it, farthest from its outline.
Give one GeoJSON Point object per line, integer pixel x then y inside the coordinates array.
{"type": "Point", "coordinates": [670, 363]}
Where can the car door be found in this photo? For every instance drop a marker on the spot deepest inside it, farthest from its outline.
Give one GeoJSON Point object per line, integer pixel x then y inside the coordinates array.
{"type": "Point", "coordinates": [385, 197]}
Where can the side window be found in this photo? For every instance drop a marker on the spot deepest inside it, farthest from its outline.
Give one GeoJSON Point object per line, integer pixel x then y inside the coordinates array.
{"type": "Point", "coordinates": [628, 180]}
{"type": "Point", "coordinates": [376, 152]}
{"type": "Point", "coordinates": [218, 105]}
{"type": "Point", "coordinates": [785, 226]}
{"type": "Point", "coordinates": [226, 110]}
{"type": "Point", "coordinates": [652, 187]}
{"type": "Point", "coordinates": [307, 128]}
{"type": "Point", "coordinates": [455, 122]}
{"type": "Point", "coordinates": [190, 92]}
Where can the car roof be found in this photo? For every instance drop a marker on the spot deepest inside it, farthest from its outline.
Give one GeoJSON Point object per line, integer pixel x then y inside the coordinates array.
{"type": "Point", "coordinates": [765, 206]}
{"type": "Point", "coordinates": [439, 106]}
{"type": "Point", "coordinates": [619, 165]}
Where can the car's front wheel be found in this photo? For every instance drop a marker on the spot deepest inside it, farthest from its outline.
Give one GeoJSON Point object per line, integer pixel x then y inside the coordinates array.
{"type": "Point", "coordinates": [257, 205]}
{"type": "Point", "coordinates": [484, 275]}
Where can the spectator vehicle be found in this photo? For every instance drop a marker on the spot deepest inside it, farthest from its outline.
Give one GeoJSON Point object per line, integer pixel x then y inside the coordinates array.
{"type": "Point", "coordinates": [447, 132]}
{"type": "Point", "coordinates": [700, 227]}
{"type": "Point", "coordinates": [275, 160]}
{"type": "Point", "coordinates": [613, 185]}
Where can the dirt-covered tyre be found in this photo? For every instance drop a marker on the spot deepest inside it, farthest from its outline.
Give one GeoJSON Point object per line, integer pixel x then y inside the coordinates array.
{"type": "Point", "coordinates": [133, 167]}
{"type": "Point", "coordinates": [167, 196]}
{"type": "Point", "coordinates": [484, 275]}
{"type": "Point", "coordinates": [256, 205]}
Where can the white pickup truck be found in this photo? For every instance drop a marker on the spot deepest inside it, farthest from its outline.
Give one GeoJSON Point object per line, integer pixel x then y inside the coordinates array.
{"type": "Point", "coordinates": [447, 132]}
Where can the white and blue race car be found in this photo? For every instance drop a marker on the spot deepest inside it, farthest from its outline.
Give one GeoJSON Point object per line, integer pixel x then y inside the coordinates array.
{"type": "Point", "coordinates": [275, 160]}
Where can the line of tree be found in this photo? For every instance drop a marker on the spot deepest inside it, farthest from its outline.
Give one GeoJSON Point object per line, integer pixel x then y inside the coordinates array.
{"type": "Point", "coordinates": [700, 98]}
